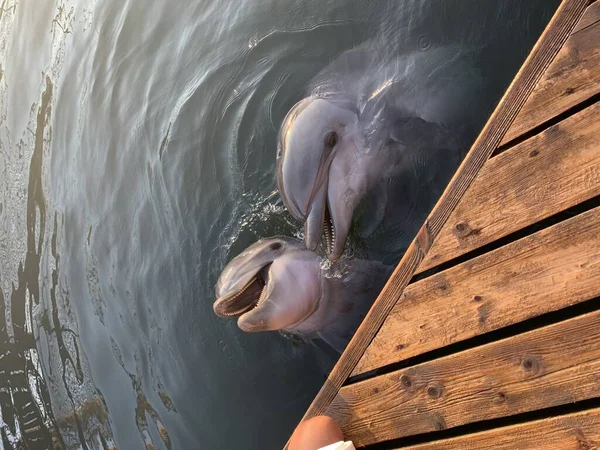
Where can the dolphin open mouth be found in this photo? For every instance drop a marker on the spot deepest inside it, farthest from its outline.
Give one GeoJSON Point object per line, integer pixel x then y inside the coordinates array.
{"type": "Point", "coordinates": [239, 301]}
{"type": "Point", "coordinates": [320, 226]}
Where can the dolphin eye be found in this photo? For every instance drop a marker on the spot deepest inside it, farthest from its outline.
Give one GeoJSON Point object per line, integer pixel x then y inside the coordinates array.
{"type": "Point", "coordinates": [275, 246]}
{"type": "Point", "coordinates": [331, 139]}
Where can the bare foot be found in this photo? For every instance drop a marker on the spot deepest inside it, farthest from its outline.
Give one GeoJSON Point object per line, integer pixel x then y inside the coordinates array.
{"type": "Point", "coordinates": [315, 433]}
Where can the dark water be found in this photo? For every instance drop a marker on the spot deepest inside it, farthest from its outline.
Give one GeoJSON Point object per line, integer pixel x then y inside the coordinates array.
{"type": "Point", "coordinates": [137, 144]}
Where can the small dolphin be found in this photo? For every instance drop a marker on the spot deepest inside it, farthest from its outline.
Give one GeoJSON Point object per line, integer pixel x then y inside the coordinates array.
{"type": "Point", "coordinates": [278, 284]}
{"type": "Point", "coordinates": [361, 127]}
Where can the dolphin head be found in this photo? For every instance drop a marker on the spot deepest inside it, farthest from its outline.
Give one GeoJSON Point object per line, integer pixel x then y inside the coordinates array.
{"type": "Point", "coordinates": [274, 284]}
{"type": "Point", "coordinates": [320, 170]}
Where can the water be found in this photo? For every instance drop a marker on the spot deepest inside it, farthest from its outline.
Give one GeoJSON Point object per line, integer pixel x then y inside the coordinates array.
{"type": "Point", "coordinates": [137, 144]}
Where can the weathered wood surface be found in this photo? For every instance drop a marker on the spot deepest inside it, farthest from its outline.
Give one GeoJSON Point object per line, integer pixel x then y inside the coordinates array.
{"type": "Point", "coordinates": [554, 365]}
{"type": "Point", "coordinates": [590, 17]}
{"type": "Point", "coordinates": [547, 271]}
{"type": "Point", "coordinates": [573, 77]}
{"type": "Point", "coordinates": [580, 431]}
{"type": "Point", "coordinates": [549, 173]}
{"type": "Point", "coordinates": [557, 32]}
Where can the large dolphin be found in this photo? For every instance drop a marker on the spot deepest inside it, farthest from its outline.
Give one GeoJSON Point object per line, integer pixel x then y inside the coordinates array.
{"type": "Point", "coordinates": [278, 284]}
{"type": "Point", "coordinates": [384, 135]}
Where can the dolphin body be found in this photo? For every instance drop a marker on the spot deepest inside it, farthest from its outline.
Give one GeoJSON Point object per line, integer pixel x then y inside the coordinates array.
{"type": "Point", "coordinates": [375, 143]}
{"type": "Point", "coordinates": [278, 284]}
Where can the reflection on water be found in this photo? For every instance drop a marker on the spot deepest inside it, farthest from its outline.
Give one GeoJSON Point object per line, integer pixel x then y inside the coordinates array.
{"type": "Point", "coordinates": [137, 146]}
{"type": "Point", "coordinates": [26, 414]}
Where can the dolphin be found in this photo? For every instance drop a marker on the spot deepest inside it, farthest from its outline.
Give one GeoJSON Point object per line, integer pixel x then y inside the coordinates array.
{"type": "Point", "coordinates": [278, 284]}
{"type": "Point", "coordinates": [383, 136]}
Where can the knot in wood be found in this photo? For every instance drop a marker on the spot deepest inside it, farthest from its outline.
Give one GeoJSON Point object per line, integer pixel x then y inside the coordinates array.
{"type": "Point", "coordinates": [500, 398]}
{"type": "Point", "coordinates": [530, 364]}
{"type": "Point", "coordinates": [435, 390]}
{"type": "Point", "coordinates": [439, 423]}
{"type": "Point", "coordinates": [406, 381]}
{"type": "Point", "coordinates": [464, 230]}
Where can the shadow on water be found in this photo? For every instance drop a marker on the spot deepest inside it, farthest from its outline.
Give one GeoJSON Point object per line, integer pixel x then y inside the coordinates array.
{"type": "Point", "coordinates": [136, 159]}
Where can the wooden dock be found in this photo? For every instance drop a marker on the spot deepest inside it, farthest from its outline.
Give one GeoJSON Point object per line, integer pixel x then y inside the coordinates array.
{"type": "Point", "coordinates": [487, 335]}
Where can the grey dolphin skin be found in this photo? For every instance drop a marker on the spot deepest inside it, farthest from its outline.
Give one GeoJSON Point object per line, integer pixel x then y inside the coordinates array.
{"type": "Point", "coordinates": [278, 284]}
{"type": "Point", "coordinates": [353, 134]}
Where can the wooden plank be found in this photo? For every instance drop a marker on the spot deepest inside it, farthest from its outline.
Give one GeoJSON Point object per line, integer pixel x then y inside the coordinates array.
{"type": "Point", "coordinates": [590, 17]}
{"type": "Point", "coordinates": [574, 76]}
{"type": "Point", "coordinates": [547, 271]}
{"type": "Point", "coordinates": [554, 365]}
{"type": "Point", "coordinates": [578, 431]}
{"type": "Point", "coordinates": [542, 54]}
{"type": "Point", "coordinates": [549, 173]}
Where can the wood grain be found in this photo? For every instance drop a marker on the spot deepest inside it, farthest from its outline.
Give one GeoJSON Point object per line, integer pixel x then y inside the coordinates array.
{"type": "Point", "coordinates": [544, 51]}
{"type": "Point", "coordinates": [547, 271]}
{"type": "Point", "coordinates": [549, 173]}
{"type": "Point", "coordinates": [554, 365]}
{"type": "Point", "coordinates": [578, 431]}
{"type": "Point", "coordinates": [574, 76]}
{"type": "Point", "coordinates": [590, 17]}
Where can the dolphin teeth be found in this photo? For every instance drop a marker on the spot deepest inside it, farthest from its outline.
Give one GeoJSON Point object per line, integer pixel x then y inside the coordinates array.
{"type": "Point", "coordinates": [329, 231]}
{"type": "Point", "coordinates": [261, 299]}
